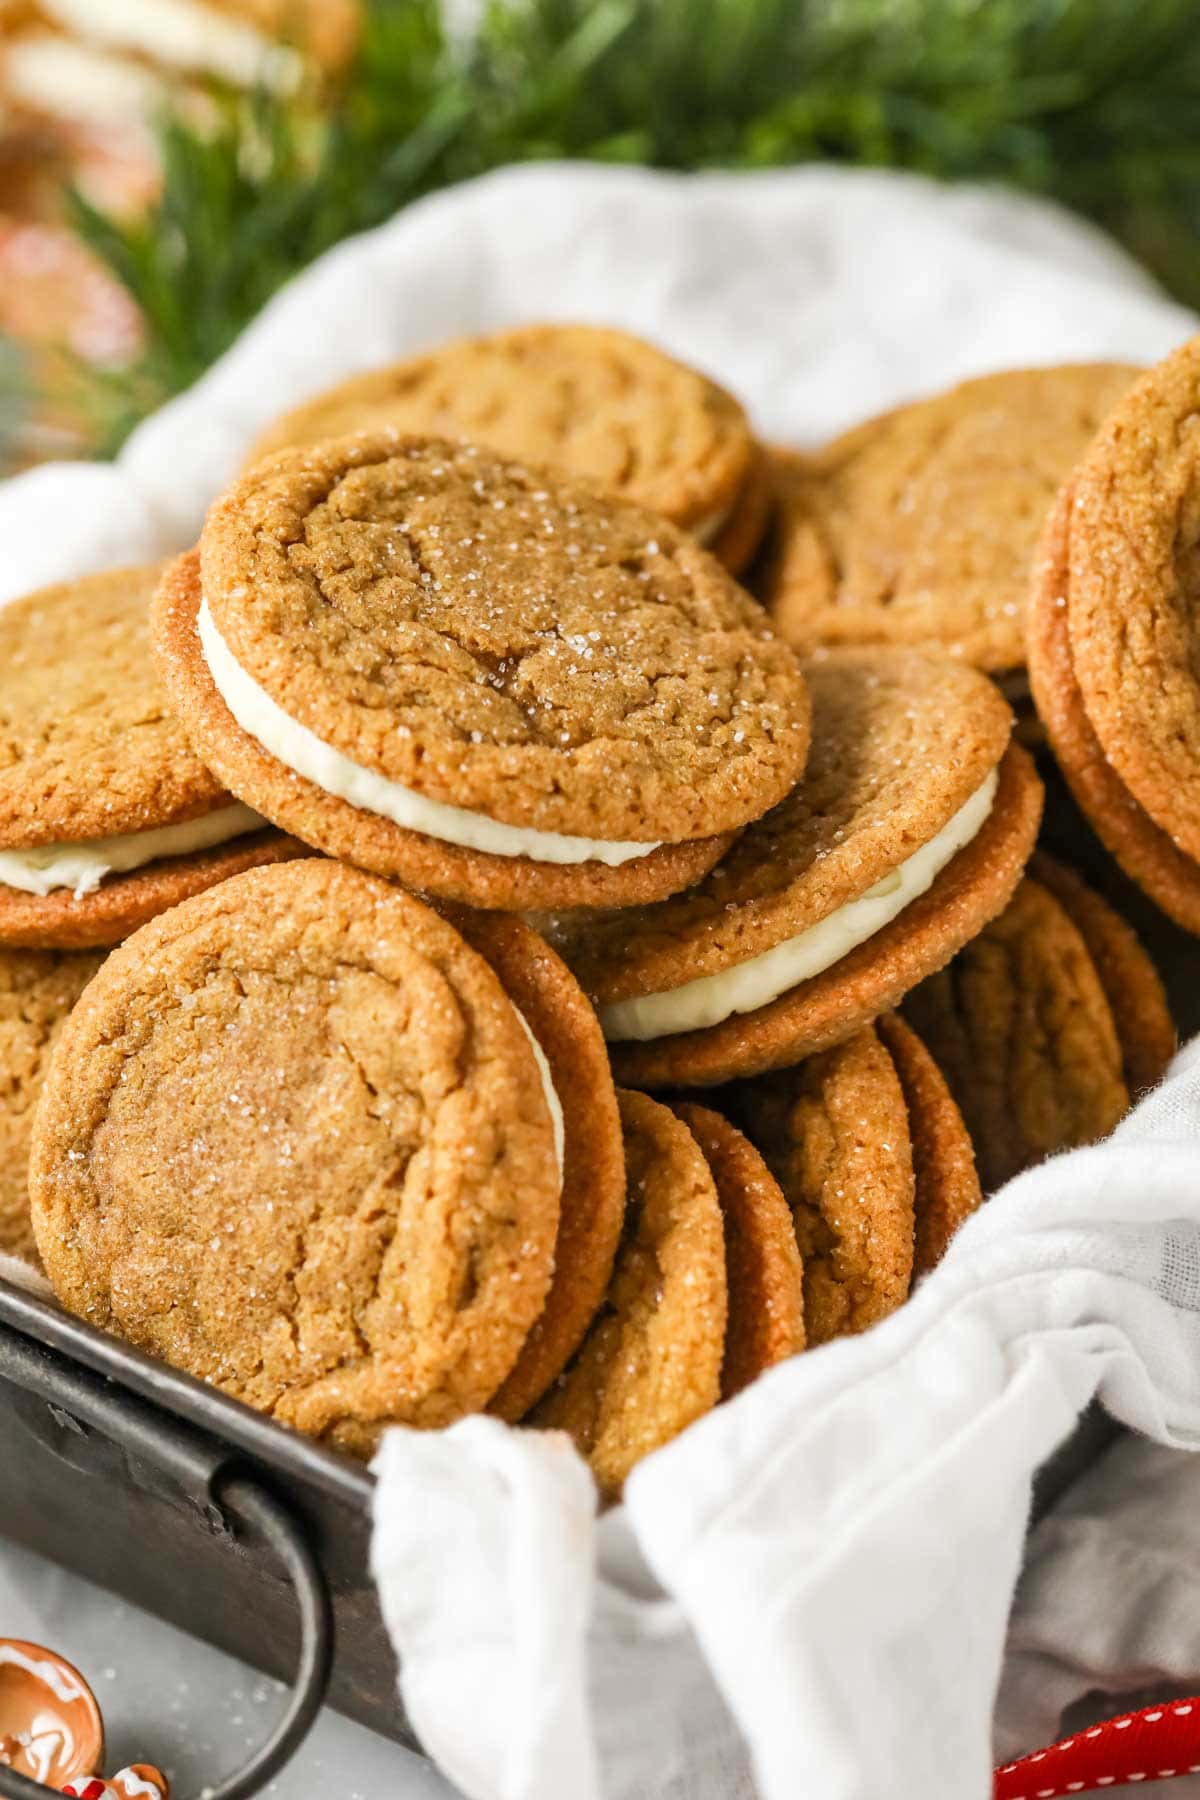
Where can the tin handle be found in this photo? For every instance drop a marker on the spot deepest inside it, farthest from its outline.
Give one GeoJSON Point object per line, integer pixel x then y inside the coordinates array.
{"type": "Point", "coordinates": [246, 1500]}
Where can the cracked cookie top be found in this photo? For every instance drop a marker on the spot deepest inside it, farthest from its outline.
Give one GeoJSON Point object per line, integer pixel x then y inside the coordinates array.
{"type": "Point", "coordinates": [580, 398]}
{"type": "Point", "coordinates": [1021, 1028]}
{"type": "Point", "coordinates": [88, 748]}
{"type": "Point", "coordinates": [296, 1142]}
{"type": "Point", "coordinates": [38, 988]}
{"type": "Point", "coordinates": [900, 741]}
{"type": "Point", "coordinates": [920, 527]}
{"type": "Point", "coordinates": [505, 640]}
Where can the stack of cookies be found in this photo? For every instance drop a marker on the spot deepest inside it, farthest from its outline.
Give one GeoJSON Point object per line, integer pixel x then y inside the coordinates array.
{"type": "Point", "coordinates": [462, 952]}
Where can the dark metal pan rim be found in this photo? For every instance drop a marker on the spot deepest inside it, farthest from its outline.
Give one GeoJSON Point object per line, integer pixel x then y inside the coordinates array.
{"type": "Point", "coordinates": [285, 1452]}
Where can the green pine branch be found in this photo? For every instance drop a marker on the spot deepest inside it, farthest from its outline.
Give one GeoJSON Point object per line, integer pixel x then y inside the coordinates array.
{"type": "Point", "coordinates": [1091, 101]}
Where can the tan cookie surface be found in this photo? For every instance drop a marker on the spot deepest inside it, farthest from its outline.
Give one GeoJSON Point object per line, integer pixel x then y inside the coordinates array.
{"type": "Point", "coordinates": [973, 887]}
{"type": "Point", "coordinates": [762, 1258]}
{"type": "Point", "coordinates": [504, 640]}
{"type": "Point", "coordinates": [900, 741]}
{"type": "Point", "coordinates": [295, 1141]}
{"type": "Point", "coordinates": [919, 527]}
{"type": "Point", "coordinates": [1131, 983]}
{"type": "Point", "coordinates": [1146, 852]}
{"type": "Point", "coordinates": [122, 903]}
{"type": "Point", "coordinates": [593, 1194]}
{"type": "Point", "coordinates": [37, 992]}
{"type": "Point", "coordinates": [594, 402]}
{"type": "Point", "coordinates": [1021, 1029]}
{"type": "Point", "coordinates": [651, 1361]}
{"type": "Point", "coordinates": [834, 1133]}
{"type": "Point", "coordinates": [466, 877]}
{"type": "Point", "coordinates": [946, 1188]}
{"type": "Point", "coordinates": [1134, 593]}
{"type": "Point", "coordinates": [742, 533]}
{"type": "Point", "coordinates": [88, 748]}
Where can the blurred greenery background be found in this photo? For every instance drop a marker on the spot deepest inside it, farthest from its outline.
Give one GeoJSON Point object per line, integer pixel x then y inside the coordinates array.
{"type": "Point", "coordinates": [1093, 102]}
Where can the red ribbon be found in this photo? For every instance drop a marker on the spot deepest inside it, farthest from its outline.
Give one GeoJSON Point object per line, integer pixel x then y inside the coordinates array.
{"type": "Point", "coordinates": [1151, 1745]}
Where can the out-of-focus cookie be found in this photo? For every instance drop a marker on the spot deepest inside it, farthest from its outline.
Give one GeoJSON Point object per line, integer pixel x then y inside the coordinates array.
{"type": "Point", "coordinates": [919, 527]}
{"type": "Point", "coordinates": [494, 684]}
{"type": "Point", "coordinates": [909, 831]}
{"type": "Point", "coordinates": [568, 1035]}
{"type": "Point", "coordinates": [107, 817]}
{"type": "Point", "coordinates": [651, 1361]}
{"type": "Point", "coordinates": [762, 1258]}
{"type": "Point", "coordinates": [38, 988]}
{"type": "Point", "coordinates": [834, 1132]}
{"type": "Point", "coordinates": [295, 1139]}
{"type": "Point", "coordinates": [946, 1188]}
{"type": "Point", "coordinates": [1020, 1026]}
{"type": "Point", "coordinates": [584, 399]}
{"type": "Point", "coordinates": [1132, 985]}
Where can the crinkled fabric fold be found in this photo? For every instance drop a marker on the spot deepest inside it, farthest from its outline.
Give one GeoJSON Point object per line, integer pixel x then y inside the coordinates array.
{"type": "Point", "coordinates": [837, 1549]}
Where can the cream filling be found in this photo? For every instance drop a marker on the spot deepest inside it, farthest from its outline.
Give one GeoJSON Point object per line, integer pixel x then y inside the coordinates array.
{"type": "Point", "coordinates": [761, 979]}
{"type": "Point", "coordinates": [553, 1103]}
{"type": "Point", "coordinates": [302, 751]}
{"type": "Point", "coordinates": [83, 866]}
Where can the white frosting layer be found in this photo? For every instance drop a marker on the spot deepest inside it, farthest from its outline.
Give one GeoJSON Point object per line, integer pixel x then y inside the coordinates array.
{"type": "Point", "coordinates": [302, 751]}
{"type": "Point", "coordinates": [761, 979]}
{"type": "Point", "coordinates": [548, 1088]}
{"type": "Point", "coordinates": [84, 866]}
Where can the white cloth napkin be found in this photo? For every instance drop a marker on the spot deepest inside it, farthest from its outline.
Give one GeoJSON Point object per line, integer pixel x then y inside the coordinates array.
{"type": "Point", "coordinates": [814, 1581]}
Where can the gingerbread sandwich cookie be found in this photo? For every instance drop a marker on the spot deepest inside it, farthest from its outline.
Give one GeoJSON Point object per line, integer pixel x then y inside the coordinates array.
{"type": "Point", "coordinates": [107, 817]}
{"type": "Point", "coordinates": [495, 685]}
{"type": "Point", "coordinates": [946, 1187]}
{"type": "Point", "coordinates": [834, 1133]}
{"type": "Point", "coordinates": [764, 1273]}
{"type": "Point", "coordinates": [1021, 1028]}
{"type": "Point", "coordinates": [587, 400]}
{"type": "Point", "coordinates": [567, 1033]}
{"type": "Point", "coordinates": [920, 527]}
{"type": "Point", "coordinates": [1112, 627]}
{"type": "Point", "coordinates": [1132, 985]}
{"type": "Point", "coordinates": [296, 1140]}
{"type": "Point", "coordinates": [908, 832]}
{"type": "Point", "coordinates": [38, 988]}
{"type": "Point", "coordinates": [651, 1361]}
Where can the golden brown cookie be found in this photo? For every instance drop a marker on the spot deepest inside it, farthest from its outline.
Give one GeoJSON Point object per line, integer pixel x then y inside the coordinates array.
{"type": "Point", "coordinates": [762, 1258]}
{"type": "Point", "coordinates": [1133, 589]}
{"type": "Point", "coordinates": [834, 1133]}
{"type": "Point", "coordinates": [1146, 852]}
{"type": "Point", "coordinates": [905, 754]}
{"type": "Point", "coordinates": [742, 533]}
{"type": "Point", "coordinates": [946, 1188]}
{"type": "Point", "coordinates": [651, 1361]}
{"type": "Point", "coordinates": [37, 991]}
{"type": "Point", "coordinates": [919, 527]}
{"type": "Point", "coordinates": [295, 1141]}
{"type": "Point", "coordinates": [498, 724]}
{"type": "Point", "coordinates": [1022, 1031]}
{"type": "Point", "coordinates": [590, 401]}
{"type": "Point", "coordinates": [90, 759]}
{"type": "Point", "coordinates": [1131, 983]}
{"type": "Point", "coordinates": [552, 1004]}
